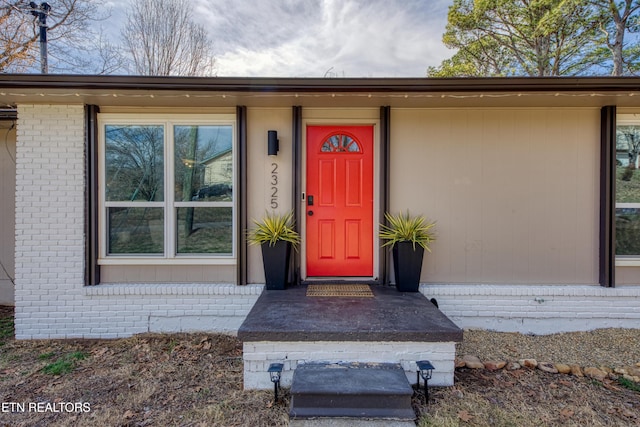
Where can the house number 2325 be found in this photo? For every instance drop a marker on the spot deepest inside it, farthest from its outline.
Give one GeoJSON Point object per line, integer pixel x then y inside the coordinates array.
{"type": "Point", "coordinates": [274, 185]}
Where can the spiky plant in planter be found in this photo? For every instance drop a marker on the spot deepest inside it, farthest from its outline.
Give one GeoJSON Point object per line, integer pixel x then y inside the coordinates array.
{"type": "Point", "coordinates": [276, 234]}
{"type": "Point", "coordinates": [408, 237]}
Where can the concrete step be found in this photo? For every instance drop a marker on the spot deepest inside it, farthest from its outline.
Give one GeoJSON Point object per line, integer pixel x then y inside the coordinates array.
{"type": "Point", "coordinates": [377, 391]}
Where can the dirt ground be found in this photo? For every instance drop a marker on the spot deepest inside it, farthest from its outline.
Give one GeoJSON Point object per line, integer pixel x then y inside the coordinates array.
{"type": "Point", "coordinates": [196, 380]}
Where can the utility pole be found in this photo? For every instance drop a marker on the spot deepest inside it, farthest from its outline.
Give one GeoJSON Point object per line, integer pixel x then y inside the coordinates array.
{"type": "Point", "coordinates": [41, 13]}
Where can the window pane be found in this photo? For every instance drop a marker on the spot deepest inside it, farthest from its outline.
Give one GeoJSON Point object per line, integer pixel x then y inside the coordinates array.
{"type": "Point", "coordinates": [205, 230]}
{"type": "Point", "coordinates": [134, 164]}
{"type": "Point", "coordinates": [628, 231]}
{"type": "Point", "coordinates": [627, 173]}
{"type": "Point", "coordinates": [203, 163]}
{"type": "Point", "coordinates": [340, 143]}
{"type": "Point", "coordinates": [135, 231]}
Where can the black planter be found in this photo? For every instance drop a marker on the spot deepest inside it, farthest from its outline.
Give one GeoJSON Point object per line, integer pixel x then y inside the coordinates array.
{"type": "Point", "coordinates": [276, 264]}
{"type": "Point", "coordinates": [407, 264]}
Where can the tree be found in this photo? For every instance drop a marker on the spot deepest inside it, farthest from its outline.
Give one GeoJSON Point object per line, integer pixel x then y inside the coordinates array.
{"type": "Point", "coordinates": [162, 39]}
{"type": "Point", "coordinates": [628, 139]}
{"type": "Point", "coordinates": [517, 37]}
{"type": "Point", "coordinates": [69, 34]}
{"type": "Point", "coordinates": [615, 19]}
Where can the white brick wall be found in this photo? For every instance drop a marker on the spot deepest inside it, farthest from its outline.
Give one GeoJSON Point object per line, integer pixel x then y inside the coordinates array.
{"type": "Point", "coordinates": [259, 355]}
{"type": "Point", "coordinates": [541, 309]}
{"type": "Point", "coordinates": [51, 299]}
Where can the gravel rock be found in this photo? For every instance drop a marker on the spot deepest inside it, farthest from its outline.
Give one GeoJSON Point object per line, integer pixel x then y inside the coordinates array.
{"type": "Point", "coordinates": [492, 365]}
{"type": "Point", "coordinates": [529, 363]}
{"type": "Point", "coordinates": [472, 362]}
{"type": "Point", "coordinates": [611, 347]}
{"type": "Point", "coordinates": [576, 371]}
{"type": "Point", "coordinates": [595, 373]}
{"type": "Point", "coordinates": [547, 367]}
{"type": "Point", "coordinates": [633, 371]}
{"type": "Point", "coordinates": [513, 366]}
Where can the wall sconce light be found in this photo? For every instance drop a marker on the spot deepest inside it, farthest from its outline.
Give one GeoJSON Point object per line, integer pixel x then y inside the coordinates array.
{"type": "Point", "coordinates": [273, 145]}
{"type": "Point", "coordinates": [425, 370]}
{"type": "Point", "coordinates": [275, 372]}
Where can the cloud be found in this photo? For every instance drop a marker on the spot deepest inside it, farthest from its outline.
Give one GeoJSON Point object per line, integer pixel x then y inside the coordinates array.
{"type": "Point", "coordinates": [352, 38]}
{"type": "Point", "coordinates": [313, 38]}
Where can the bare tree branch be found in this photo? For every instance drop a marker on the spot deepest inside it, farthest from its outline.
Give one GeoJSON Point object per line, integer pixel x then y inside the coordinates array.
{"type": "Point", "coordinates": [69, 34]}
{"type": "Point", "coordinates": [162, 39]}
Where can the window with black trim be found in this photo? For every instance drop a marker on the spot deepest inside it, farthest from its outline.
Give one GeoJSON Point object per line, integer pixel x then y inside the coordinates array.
{"type": "Point", "coordinates": [627, 196]}
{"type": "Point", "coordinates": [166, 187]}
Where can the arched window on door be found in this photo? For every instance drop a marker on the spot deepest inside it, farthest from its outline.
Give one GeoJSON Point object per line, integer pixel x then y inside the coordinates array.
{"type": "Point", "coordinates": [340, 143]}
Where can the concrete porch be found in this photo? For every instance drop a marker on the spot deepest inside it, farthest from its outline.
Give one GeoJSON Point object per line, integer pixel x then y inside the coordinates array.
{"type": "Point", "coordinates": [392, 327]}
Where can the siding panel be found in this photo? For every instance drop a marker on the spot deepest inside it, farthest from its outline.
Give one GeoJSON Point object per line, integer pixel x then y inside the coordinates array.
{"type": "Point", "coordinates": [514, 191]}
{"type": "Point", "coordinates": [7, 211]}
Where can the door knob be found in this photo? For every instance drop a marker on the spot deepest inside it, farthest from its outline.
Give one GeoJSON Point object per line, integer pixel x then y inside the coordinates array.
{"type": "Point", "coordinates": [310, 213]}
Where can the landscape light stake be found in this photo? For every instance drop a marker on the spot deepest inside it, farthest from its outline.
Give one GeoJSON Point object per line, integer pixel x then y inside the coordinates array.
{"type": "Point", "coordinates": [275, 372]}
{"type": "Point", "coordinates": [425, 370]}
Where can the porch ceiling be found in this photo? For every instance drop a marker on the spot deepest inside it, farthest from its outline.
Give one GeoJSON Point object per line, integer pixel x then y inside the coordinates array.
{"type": "Point", "coordinates": [323, 93]}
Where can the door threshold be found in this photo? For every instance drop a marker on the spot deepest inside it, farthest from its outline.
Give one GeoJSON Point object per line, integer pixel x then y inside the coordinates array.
{"type": "Point", "coordinates": [340, 280]}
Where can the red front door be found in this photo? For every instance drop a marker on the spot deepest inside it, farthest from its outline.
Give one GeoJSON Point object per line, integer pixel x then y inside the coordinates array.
{"type": "Point", "coordinates": [339, 201]}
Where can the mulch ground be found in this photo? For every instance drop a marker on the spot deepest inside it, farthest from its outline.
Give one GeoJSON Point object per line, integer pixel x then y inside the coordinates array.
{"type": "Point", "coordinates": [196, 380]}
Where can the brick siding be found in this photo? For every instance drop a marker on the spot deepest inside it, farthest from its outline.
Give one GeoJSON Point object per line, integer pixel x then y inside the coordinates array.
{"type": "Point", "coordinates": [259, 355]}
{"type": "Point", "coordinates": [51, 299]}
{"type": "Point", "coordinates": [543, 309]}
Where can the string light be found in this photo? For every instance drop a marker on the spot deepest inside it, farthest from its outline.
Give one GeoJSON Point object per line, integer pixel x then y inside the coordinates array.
{"type": "Point", "coordinates": [416, 95]}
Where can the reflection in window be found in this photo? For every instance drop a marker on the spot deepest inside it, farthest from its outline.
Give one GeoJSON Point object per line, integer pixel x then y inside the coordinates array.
{"type": "Point", "coordinates": [135, 231]}
{"type": "Point", "coordinates": [203, 163]}
{"type": "Point", "coordinates": [340, 143]}
{"type": "Point", "coordinates": [168, 207]}
{"type": "Point", "coordinates": [205, 230]}
{"type": "Point", "coordinates": [134, 166]}
{"type": "Point", "coordinates": [628, 231]}
{"type": "Point", "coordinates": [627, 188]}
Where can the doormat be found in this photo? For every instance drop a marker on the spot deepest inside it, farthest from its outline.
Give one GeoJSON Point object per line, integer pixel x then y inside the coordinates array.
{"type": "Point", "coordinates": [359, 291]}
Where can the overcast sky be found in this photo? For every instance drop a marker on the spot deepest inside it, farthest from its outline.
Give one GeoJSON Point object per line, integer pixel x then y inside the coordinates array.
{"type": "Point", "coordinates": [314, 38]}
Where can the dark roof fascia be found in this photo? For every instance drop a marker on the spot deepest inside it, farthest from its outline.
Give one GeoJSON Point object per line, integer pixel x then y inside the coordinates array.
{"type": "Point", "coordinates": [288, 84]}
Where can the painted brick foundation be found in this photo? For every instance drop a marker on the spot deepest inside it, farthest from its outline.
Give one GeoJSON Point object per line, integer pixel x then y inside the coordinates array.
{"type": "Point", "coordinates": [543, 309]}
{"type": "Point", "coordinates": [114, 311]}
{"type": "Point", "coordinates": [259, 355]}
